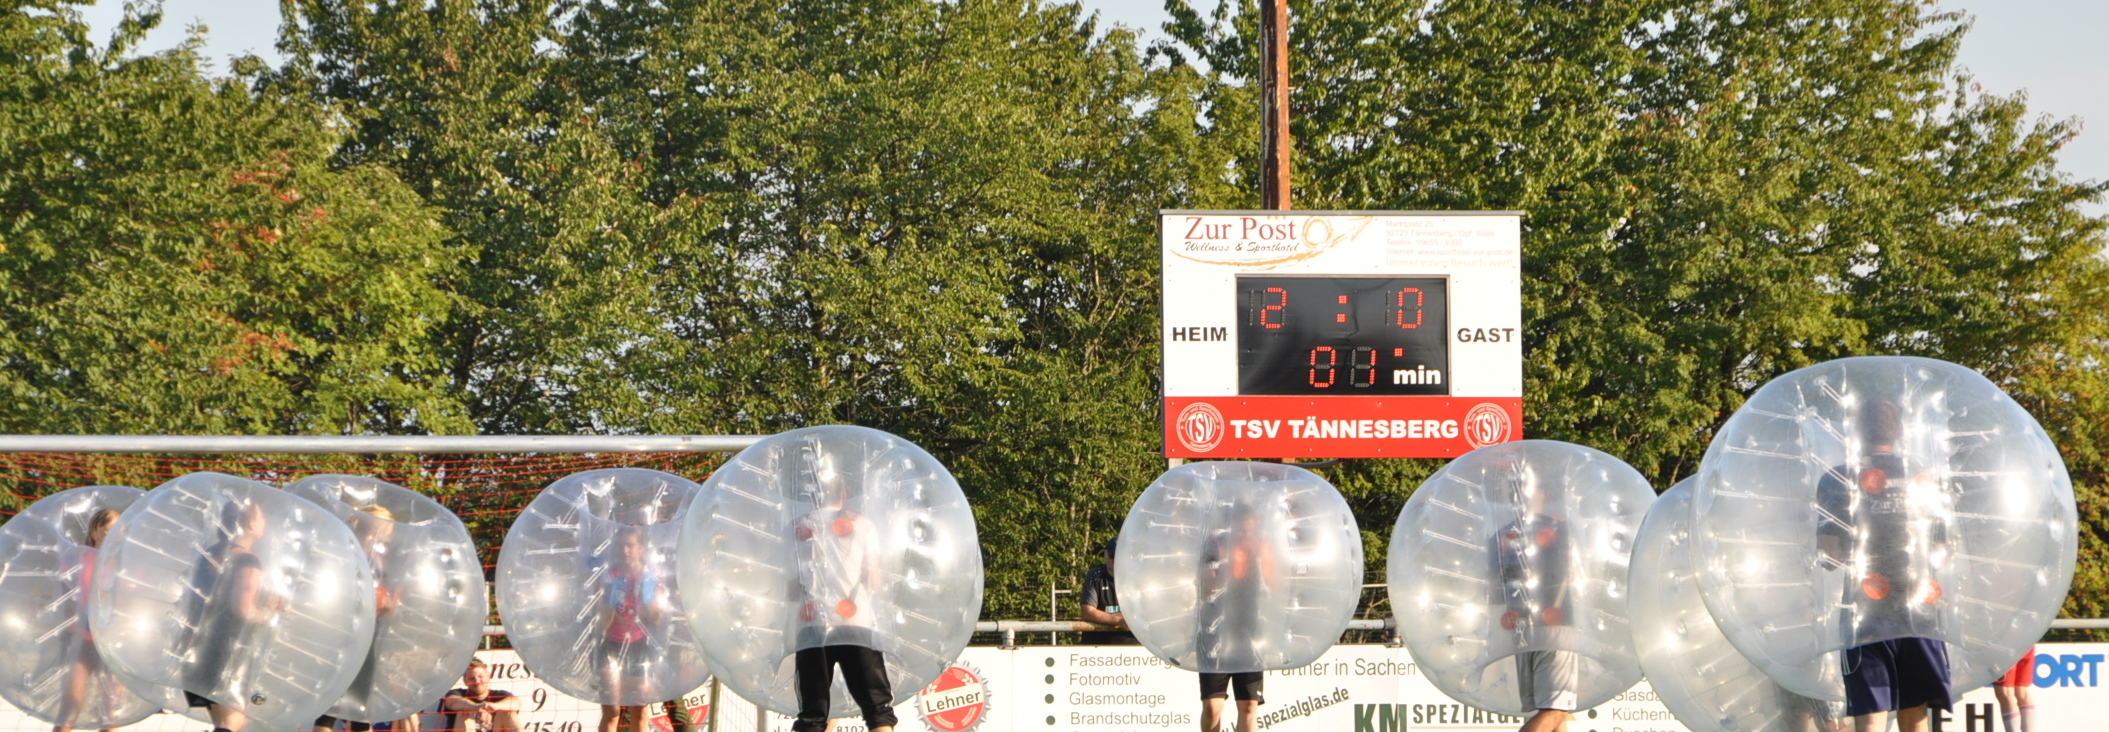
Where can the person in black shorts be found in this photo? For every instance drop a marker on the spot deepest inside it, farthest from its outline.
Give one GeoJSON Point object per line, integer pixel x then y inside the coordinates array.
{"type": "Point", "coordinates": [839, 579]}
{"type": "Point", "coordinates": [1869, 523]}
{"type": "Point", "coordinates": [1237, 568]}
{"type": "Point", "coordinates": [228, 604]}
{"type": "Point", "coordinates": [488, 709]}
{"type": "Point", "coordinates": [1102, 606]}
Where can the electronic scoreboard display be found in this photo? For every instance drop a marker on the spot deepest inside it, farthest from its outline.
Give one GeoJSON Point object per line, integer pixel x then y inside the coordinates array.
{"type": "Point", "coordinates": [1317, 334]}
{"type": "Point", "coordinates": [1342, 335]}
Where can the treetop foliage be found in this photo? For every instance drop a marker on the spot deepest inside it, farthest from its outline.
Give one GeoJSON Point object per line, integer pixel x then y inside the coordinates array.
{"type": "Point", "coordinates": [938, 219]}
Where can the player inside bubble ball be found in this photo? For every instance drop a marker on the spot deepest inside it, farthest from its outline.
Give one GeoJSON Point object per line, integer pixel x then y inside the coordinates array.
{"type": "Point", "coordinates": [87, 662]}
{"type": "Point", "coordinates": [1237, 571]}
{"type": "Point", "coordinates": [373, 540]}
{"type": "Point", "coordinates": [1534, 557]}
{"type": "Point", "coordinates": [838, 575]}
{"type": "Point", "coordinates": [1878, 522]}
{"type": "Point", "coordinates": [633, 607]}
{"type": "Point", "coordinates": [229, 609]}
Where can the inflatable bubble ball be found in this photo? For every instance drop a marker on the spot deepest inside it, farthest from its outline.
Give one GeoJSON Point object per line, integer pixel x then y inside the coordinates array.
{"type": "Point", "coordinates": [48, 664]}
{"type": "Point", "coordinates": [1234, 567]}
{"type": "Point", "coordinates": [1882, 498]}
{"type": "Point", "coordinates": [234, 592]}
{"type": "Point", "coordinates": [1693, 668]}
{"type": "Point", "coordinates": [1508, 575]}
{"type": "Point", "coordinates": [830, 536]}
{"type": "Point", "coordinates": [429, 593]}
{"type": "Point", "coordinates": [588, 592]}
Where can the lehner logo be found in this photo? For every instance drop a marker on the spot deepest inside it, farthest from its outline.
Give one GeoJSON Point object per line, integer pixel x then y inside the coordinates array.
{"type": "Point", "coordinates": [1200, 427]}
{"type": "Point", "coordinates": [956, 702]}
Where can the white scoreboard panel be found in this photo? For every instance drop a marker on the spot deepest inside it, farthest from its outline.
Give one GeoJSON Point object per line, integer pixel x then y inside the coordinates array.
{"type": "Point", "coordinates": [1341, 333]}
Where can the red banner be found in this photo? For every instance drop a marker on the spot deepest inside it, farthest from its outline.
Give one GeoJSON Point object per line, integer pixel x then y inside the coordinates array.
{"type": "Point", "coordinates": [1337, 427]}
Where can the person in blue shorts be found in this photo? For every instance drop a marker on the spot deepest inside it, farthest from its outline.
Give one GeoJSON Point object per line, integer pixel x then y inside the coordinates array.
{"type": "Point", "coordinates": [1872, 523]}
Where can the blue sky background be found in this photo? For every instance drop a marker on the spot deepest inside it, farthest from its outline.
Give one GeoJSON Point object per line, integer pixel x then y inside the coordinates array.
{"type": "Point", "coordinates": [2052, 50]}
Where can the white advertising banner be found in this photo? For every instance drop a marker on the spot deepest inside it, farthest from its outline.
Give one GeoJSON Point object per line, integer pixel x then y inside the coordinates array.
{"type": "Point", "coordinates": [1358, 688]}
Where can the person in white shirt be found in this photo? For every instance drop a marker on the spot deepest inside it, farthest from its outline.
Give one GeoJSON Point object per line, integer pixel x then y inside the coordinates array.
{"type": "Point", "coordinates": [838, 617]}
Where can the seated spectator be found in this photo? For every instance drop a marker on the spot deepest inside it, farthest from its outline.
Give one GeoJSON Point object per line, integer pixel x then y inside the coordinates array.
{"type": "Point", "coordinates": [488, 709]}
{"type": "Point", "coordinates": [1101, 606]}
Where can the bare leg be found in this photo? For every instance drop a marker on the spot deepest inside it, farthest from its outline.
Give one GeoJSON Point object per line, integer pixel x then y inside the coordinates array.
{"type": "Point", "coordinates": [1547, 720]}
{"type": "Point", "coordinates": [224, 717]}
{"type": "Point", "coordinates": [505, 721]}
{"type": "Point", "coordinates": [1912, 720]}
{"type": "Point", "coordinates": [406, 724]}
{"type": "Point", "coordinates": [76, 690]}
{"type": "Point", "coordinates": [1248, 710]}
{"type": "Point", "coordinates": [610, 716]}
{"type": "Point", "coordinates": [1875, 722]}
{"type": "Point", "coordinates": [1211, 715]}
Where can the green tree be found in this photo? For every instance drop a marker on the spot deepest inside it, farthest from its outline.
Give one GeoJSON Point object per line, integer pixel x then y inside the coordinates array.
{"type": "Point", "coordinates": [1714, 194]}
{"type": "Point", "coordinates": [563, 255]}
{"type": "Point", "coordinates": [934, 219]}
{"type": "Point", "coordinates": [178, 256]}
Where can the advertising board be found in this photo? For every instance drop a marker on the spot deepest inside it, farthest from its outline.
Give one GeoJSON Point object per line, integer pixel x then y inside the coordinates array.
{"type": "Point", "coordinates": [1352, 688]}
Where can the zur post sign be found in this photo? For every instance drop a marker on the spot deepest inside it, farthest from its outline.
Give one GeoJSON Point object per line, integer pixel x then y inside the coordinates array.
{"type": "Point", "coordinates": [1344, 334]}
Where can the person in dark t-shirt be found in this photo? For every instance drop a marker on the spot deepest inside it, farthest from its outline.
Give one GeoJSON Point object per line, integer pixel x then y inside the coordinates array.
{"type": "Point", "coordinates": [1102, 606]}
{"type": "Point", "coordinates": [228, 605]}
{"type": "Point", "coordinates": [488, 709]}
{"type": "Point", "coordinates": [1534, 556]}
{"type": "Point", "coordinates": [1873, 521]}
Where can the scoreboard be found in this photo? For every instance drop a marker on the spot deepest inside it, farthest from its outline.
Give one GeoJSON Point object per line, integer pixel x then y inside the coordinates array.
{"type": "Point", "coordinates": [1340, 334]}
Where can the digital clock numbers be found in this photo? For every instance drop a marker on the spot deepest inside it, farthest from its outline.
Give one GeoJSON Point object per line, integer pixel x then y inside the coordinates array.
{"type": "Point", "coordinates": [1348, 336]}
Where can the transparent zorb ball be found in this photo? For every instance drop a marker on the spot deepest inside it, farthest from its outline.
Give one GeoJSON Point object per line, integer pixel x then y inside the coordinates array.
{"type": "Point", "coordinates": [1694, 670]}
{"type": "Point", "coordinates": [834, 535]}
{"type": "Point", "coordinates": [1513, 552]}
{"type": "Point", "coordinates": [1878, 498]}
{"type": "Point", "coordinates": [49, 667]}
{"type": "Point", "coordinates": [1233, 567]}
{"type": "Point", "coordinates": [588, 591]}
{"type": "Point", "coordinates": [430, 597]}
{"type": "Point", "coordinates": [237, 592]}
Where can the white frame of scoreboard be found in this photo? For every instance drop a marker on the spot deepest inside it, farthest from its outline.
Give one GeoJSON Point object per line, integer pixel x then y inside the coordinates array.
{"type": "Point", "coordinates": [1479, 252]}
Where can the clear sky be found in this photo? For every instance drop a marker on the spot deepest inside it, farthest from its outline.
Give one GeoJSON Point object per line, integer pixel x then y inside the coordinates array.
{"type": "Point", "coordinates": [2050, 49]}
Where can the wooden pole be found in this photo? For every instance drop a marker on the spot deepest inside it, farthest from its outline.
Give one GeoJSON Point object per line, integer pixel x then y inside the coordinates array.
{"type": "Point", "coordinates": [1274, 105]}
{"type": "Point", "coordinates": [1274, 113]}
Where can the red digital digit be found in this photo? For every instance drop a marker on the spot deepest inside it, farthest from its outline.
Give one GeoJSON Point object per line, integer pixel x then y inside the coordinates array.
{"type": "Point", "coordinates": [1275, 308]}
{"type": "Point", "coordinates": [1419, 300]}
{"type": "Point", "coordinates": [1365, 374]}
{"type": "Point", "coordinates": [1332, 358]}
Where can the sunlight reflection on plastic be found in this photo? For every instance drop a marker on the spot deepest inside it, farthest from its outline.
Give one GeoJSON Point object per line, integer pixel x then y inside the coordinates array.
{"type": "Point", "coordinates": [48, 664]}
{"type": "Point", "coordinates": [237, 592]}
{"type": "Point", "coordinates": [1867, 499]}
{"type": "Point", "coordinates": [1231, 567]}
{"type": "Point", "coordinates": [586, 587]}
{"type": "Point", "coordinates": [770, 555]}
{"type": "Point", "coordinates": [1690, 664]}
{"type": "Point", "coordinates": [431, 598]}
{"type": "Point", "coordinates": [1516, 550]}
